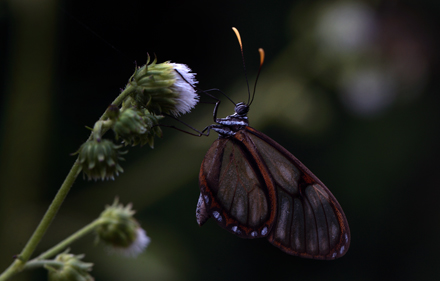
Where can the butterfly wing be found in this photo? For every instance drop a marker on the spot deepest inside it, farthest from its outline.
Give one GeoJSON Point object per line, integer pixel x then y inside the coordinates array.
{"type": "Point", "coordinates": [310, 222]}
{"type": "Point", "coordinates": [234, 192]}
{"type": "Point", "coordinates": [254, 187]}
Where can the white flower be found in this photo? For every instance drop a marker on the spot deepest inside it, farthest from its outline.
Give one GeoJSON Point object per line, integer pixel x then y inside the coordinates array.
{"type": "Point", "coordinates": [120, 231]}
{"type": "Point", "coordinates": [164, 88]}
{"type": "Point", "coordinates": [184, 86]}
{"type": "Point", "coordinates": [136, 247]}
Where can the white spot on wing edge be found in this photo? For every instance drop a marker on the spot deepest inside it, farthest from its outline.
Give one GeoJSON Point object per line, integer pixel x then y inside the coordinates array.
{"type": "Point", "coordinates": [217, 216]}
{"type": "Point", "coordinates": [264, 231]}
{"type": "Point", "coordinates": [236, 229]}
{"type": "Point", "coordinates": [342, 250]}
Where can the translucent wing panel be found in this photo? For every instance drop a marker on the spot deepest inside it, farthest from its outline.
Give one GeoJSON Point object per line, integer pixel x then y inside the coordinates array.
{"type": "Point", "coordinates": [234, 191]}
{"type": "Point", "coordinates": [309, 221]}
{"type": "Point", "coordinates": [284, 173]}
{"type": "Point", "coordinates": [308, 225]}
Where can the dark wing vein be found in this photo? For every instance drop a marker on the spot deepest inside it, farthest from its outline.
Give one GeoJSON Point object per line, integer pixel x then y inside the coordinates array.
{"type": "Point", "coordinates": [325, 229]}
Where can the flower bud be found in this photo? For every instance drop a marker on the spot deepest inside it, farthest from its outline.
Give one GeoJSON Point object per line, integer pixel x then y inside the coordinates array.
{"type": "Point", "coordinates": [128, 125]}
{"type": "Point", "coordinates": [165, 88]}
{"type": "Point", "coordinates": [68, 267]}
{"type": "Point", "coordinates": [152, 124]}
{"type": "Point", "coordinates": [99, 159]}
{"type": "Point", "coordinates": [137, 126]}
{"type": "Point", "coordinates": [113, 112]}
{"type": "Point", "coordinates": [121, 231]}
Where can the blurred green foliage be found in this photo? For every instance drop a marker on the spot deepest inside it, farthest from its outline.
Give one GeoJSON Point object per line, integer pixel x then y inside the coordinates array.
{"type": "Point", "coordinates": [349, 87]}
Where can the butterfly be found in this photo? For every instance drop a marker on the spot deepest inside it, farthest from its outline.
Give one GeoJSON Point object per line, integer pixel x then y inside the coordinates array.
{"type": "Point", "coordinates": [253, 187]}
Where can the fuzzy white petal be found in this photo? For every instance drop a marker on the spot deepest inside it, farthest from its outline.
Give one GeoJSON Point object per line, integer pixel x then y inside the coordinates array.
{"type": "Point", "coordinates": [137, 247]}
{"type": "Point", "coordinates": [188, 97]}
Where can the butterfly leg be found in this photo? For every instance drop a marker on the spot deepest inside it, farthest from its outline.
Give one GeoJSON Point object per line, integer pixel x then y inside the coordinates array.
{"type": "Point", "coordinates": [205, 132]}
{"type": "Point", "coordinates": [217, 104]}
{"type": "Point", "coordinates": [197, 134]}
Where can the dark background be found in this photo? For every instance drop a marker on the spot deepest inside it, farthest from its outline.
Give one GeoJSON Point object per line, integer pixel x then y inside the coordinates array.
{"type": "Point", "coordinates": [349, 87]}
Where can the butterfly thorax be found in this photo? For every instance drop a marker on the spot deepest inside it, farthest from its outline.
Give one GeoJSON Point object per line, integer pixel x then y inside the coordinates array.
{"type": "Point", "coordinates": [230, 125]}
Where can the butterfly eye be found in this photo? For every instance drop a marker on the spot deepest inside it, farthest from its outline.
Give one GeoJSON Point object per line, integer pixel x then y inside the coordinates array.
{"type": "Point", "coordinates": [241, 109]}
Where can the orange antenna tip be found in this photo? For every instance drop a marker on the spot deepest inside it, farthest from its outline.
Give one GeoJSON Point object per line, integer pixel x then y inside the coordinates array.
{"type": "Point", "coordinates": [261, 56]}
{"type": "Point", "coordinates": [238, 36]}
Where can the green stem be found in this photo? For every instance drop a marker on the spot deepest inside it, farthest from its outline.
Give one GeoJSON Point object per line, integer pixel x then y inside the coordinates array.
{"type": "Point", "coordinates": [40, 263]}
{"type": "Point", "coordinates": [50, 213]}
{"type": "Point", "coordinates": [129, 89]}
{"type": "Point", "coordinates": [66, 242]}
{"type": "Point", "coordinates": [19, 263]}
{"type": "Point", "coordinates": [27, 251]}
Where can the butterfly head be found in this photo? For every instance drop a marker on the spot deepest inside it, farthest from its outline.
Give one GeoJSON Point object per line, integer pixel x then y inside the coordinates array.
{"type": "Point", "coordinates": [241, 109]}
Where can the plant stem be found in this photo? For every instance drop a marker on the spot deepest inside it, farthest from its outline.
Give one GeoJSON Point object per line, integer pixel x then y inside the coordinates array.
{"type": "Point", "coordinates": [66, 242]}
{"type": "Point", "coordinates": [20, 262]}
{"type": "Point", "coordinates": [50, 213]}
{"type": "Point", "coordinates": [40, 263]}
{"type": "Point", "coordinates": [36, 237]}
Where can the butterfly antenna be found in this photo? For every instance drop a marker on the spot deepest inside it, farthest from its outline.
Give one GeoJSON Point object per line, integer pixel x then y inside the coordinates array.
{"type": "Point", "coordinates": [244, 64]}
{"type": "Point", "coordinates": [198, 90]}
{"type": "Point", "coordinates": [261, 51]}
